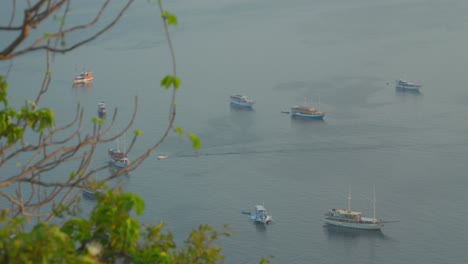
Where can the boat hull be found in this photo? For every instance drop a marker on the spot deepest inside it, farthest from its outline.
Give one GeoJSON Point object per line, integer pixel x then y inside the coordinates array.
{"type": "Point", "coordinates": [89, 193]}
{"type": "Point", "coordinates": [306, 116]}
{"type": "Point", "coordinates": [407, 86]}
{"type": "Point", "coordinates": [241, 104]}
{"type": "Point", "coordinates": [81, 81]}
{"type": "Point", "coordinates": [355, 225]}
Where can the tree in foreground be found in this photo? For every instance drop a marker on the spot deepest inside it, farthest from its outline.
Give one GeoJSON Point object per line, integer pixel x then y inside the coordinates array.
{"type": "Point", "coordinates": [49, 147]}
{"type": "Point", "coordinates": [110, 235]}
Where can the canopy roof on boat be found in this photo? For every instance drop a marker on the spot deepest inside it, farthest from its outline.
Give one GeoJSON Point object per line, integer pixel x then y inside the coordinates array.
{"type": "Point", "coordinates": [347, 212]}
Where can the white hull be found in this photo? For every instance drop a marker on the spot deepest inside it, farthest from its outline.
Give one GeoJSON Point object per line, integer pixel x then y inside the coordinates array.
{"type": "Point", "coordinates": [366, 226]}
{"type": "Point", "coordinates": [78, 81]}
{"type": "Point", "coordinates": [244, 104]}
{"type": "Point", "coordinates": [122, 163]}
{"type": "Point", "coordinates": [407, 85]}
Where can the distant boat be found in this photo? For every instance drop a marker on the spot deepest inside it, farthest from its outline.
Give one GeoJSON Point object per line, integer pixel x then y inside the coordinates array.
{"type": "Point", "coordinates": [89, 193]}
{"type": "Point", "coordinates": [353, 219]}
{"type": "Point", "coordinates": [102, 108]}
{"type": "Point", "coordinates": [401, 84]}
{"type": "Point", "coordinates": [241, 100]}
{"type": "Point", "coordinates": [161, 157]}
{"type": "Point", "coordinates": [118, 157]}
{"type": "Point", "coordinates": [306, 112]}
{"type": "Point", "coordinates": [84, 77]}
{"type": "Point", "coordinates": [260, 215]}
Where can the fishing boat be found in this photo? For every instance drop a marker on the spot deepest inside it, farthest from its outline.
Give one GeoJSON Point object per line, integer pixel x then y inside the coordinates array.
{"type": "Point", "coordinates": [241, 100]}
{"type": "Point", "coordinates": [261, 216]}
{"type": "Point", "coordinates": [84, 77]}
{"type": "Point", "coordinates": [401, 84]}
{"type": "Point", "coordinates": [118, 157]}
{"type": "Point", "coordinates": [102, 108]}
{"type": "Point", "coordinates": [307, 112]}
{"type": "Point", "coordinates": [353, 219]}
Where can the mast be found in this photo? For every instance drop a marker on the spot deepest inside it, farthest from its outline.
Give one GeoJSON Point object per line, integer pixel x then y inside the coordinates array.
{"type": "Point", "coordinates": [373, 220]}
{"type": "Point", "coordinates": [349, 198]}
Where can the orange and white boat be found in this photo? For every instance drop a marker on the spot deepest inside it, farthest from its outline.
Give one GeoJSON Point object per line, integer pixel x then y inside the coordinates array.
{"type": "Point", "coordinates": [84, 77]}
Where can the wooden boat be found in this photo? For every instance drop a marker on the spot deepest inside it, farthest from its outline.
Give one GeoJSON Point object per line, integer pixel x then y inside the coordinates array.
{"type": "Point", "coordinates": [84, 77]}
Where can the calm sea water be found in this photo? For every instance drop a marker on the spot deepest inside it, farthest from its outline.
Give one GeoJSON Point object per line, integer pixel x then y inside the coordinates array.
{"type": "Point", "coordinates": [344, 55]}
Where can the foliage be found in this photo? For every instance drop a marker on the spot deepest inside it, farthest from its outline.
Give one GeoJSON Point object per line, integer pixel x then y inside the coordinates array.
{"type": "Point", "coordinates": [14, 122]}
{"type": "Point", "coordinates": [53, 146]}
{"type": "Point", "coordinates": [111, 234]}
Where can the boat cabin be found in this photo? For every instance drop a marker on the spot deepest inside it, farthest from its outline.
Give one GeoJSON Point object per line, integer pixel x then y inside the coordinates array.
{"type": "Point", "coordinates": [345, 214]}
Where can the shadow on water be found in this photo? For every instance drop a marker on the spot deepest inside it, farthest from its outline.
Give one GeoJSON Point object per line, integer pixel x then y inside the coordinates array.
{"type": "Point", "coordinates": [82, 85]}
{"type": "Point", "coordinates": [261, 228]}
{"type": "Point", "coordinates": [102, 115]}
{"type": "Point", "coordinates": [404, 92]}
{"type": "Point", "coordinates": [236, 108]}
{"type": "Point", "coordinates": [306, 120]}
{"type": "Point", "coordinates": [336, 232]}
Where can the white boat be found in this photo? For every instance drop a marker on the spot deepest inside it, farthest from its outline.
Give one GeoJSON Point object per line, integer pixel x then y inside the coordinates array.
{"type": "Point", "coordinates": [260, 215]}
{"type": "Point", "coordinates": [353, 219]}
{"type": "Point", "coordinates": [401, 84]}
{"type": "Point", "coordinates": [118, 157]}
{"type": "Point", "coordinates": [241, 100]}
{"type": "Point", "coordinates": [102, 108]}
{"type": "Point", "coordinates": [84, 77]}
{"type": "Point", "coordinates": [307, 112]}
{"type": "Point", "coordinates": [162, 157]}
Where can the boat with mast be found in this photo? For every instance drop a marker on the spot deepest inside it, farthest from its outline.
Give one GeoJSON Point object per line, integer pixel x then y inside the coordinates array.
{"type": "Point", "coordinates": [354, 219]}
{"type": "Point", "coordinates": [119, 157]}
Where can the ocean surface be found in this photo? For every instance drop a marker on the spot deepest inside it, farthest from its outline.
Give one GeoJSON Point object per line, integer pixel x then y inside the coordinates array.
{"type": "Point", "coordinates": [341, 56]}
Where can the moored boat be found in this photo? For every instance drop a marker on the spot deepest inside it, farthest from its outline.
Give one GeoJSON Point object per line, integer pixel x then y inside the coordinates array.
{"type": "Point", "coordinates": [261, 216]}
{"type": "Point", "coordinates": [118, 157]}
{"type": "Point", "coordinates": [241, 100]}
{"type": "Point", "coordinates": [401, 84]}
{"type": "Point", "coordinates": [307, 112]}
{"type": "Point", "coordinates": [89, 193]}
{"type": "Point", "coordinates": [102, 108]}
{"type": "Point", "coordinates": [84, 77]}
{"type": "Point", "coordinates": [353, 219]}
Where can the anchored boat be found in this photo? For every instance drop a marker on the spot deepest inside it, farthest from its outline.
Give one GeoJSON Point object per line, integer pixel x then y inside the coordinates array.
{"type": "Point", "coordinates": [353, 219]}
{"type": "Point", "coordinates": [241, 100]}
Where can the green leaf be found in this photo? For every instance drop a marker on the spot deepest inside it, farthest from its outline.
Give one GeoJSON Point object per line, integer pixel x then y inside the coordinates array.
{"type": "Point", "coordinates": [196, 142]}
{"type": "Point", "coordinates": [138, 132]}
{"type": "Point", "coordinates": [179, 131]}
{"type": "Point", "coordinates": [166, 81]}
{"type": "Point", "coordinates": [170, 18]}
{"type": "Point", "coordinates": [176, 82]}
{"type": "Point", "coordinates": [63, 21]}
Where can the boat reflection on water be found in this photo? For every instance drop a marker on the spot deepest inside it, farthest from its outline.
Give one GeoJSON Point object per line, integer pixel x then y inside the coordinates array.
{"type": "Point", "coordinates": [401, 91]}
{"type": "Point", "coordinates": [235, 107]}
{"type": "Point", "coordinates": [83, 85]}
{"type": "Point", "coordinates": [337, 232]}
